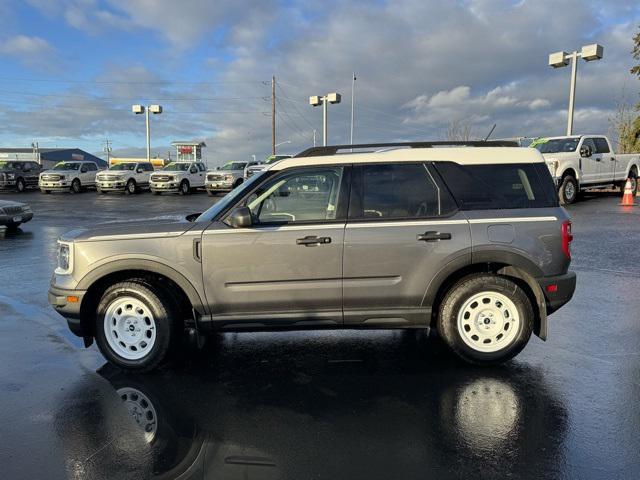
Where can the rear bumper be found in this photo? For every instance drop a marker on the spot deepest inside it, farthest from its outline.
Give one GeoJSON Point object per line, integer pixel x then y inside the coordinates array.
{"type": "Point", "coordinates": [59, 300]}
{"type": "Point", "coordinates": [558, 290]}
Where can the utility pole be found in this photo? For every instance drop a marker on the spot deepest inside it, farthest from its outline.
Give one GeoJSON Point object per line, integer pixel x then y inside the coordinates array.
{"type": "Point", "coordinates": [273, 115]}
{"type": "Point", "coordinates": [107, 149]}
{"type": "Point", "coordinates": [353, 95]}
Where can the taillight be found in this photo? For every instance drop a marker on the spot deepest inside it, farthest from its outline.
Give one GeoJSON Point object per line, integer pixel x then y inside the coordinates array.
{"type": "Point", "coordinates": [567, 238]}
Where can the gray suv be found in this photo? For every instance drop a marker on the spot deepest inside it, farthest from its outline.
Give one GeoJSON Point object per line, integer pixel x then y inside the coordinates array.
{"type": "Point", "coordinates": [469, 240]}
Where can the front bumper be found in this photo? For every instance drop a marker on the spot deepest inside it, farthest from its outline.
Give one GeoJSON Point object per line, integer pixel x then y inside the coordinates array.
{"type": "Point", "coordinates": [558, 290]}
{"type": "Point", "coordinates": [7, 184]}
{"type": "Point", "coordinates": [17, 218]}
{"type": "Point", "coordinates": [106, 186]}
{"type": "Point", "coordinates": [60, 299]}
{"type": "Point", "coordinates": [171, 186]}
{"type": "Point", "coordinates": [61, 185]}
{"type": "Point", "coordinates": [219, 186]}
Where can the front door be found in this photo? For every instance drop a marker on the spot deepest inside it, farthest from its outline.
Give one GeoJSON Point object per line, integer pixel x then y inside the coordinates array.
{"type": "Point", "coordinates": [590, 166]}
{"type": "Point", "coordinates": [286, 269]}
{"type": "Point", "coordinates": [403, 228]}
{"type": "Point", "coordinates": [607, 160]}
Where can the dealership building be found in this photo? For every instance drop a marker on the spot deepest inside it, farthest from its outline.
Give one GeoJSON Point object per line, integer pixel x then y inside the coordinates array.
{"type": "Point", "coordinates": [48, 157]}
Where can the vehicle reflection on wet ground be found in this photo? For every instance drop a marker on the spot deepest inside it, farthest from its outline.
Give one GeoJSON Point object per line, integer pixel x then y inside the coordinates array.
{"type": "Point", "coordinates": [341, 404]}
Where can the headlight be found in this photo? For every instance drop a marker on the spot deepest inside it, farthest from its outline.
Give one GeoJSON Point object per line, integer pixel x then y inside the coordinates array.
{"type": "Point", "coordinates": [552, 163]}
{"type": "Point", "coordinates": [65, 258]}
{"type": "Point", "coordinates": [228, 178]}
{"type": "Point", "coordinates": [11, 176]}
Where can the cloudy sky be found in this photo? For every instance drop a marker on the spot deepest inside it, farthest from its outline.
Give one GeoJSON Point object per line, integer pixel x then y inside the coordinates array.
{"type": "Point", "coordinates": [72, 68]}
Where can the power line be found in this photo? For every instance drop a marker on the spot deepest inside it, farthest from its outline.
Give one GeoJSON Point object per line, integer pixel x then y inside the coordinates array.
{"type": "Point", "coordinates": [97, 97]}
{"type": "Point", "coordinates": [124, 82]}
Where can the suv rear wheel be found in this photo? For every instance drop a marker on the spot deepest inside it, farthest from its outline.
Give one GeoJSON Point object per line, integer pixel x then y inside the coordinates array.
{"type": "Point", "coordinates": [486, 319]}
{"type": "Point", "coordinates": [135, 324]}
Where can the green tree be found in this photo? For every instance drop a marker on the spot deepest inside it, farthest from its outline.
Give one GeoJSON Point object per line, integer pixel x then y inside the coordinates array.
{"type": "Point", "coordinates": [630, 138]}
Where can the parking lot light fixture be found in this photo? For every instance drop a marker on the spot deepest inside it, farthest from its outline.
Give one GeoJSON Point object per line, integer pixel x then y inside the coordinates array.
{"type": "Point", "coordinates": [588, 53]}
{"type": "Point", "coordinates": [317, 100]}
{"type": "Point", "coordinates": [140, 109]}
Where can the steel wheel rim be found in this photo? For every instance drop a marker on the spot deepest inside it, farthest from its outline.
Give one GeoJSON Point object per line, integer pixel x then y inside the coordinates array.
{"type": "Point", "coordinates": [130, 328]}
{"type": "Point", "coordinates": [633, 184]}
{"type": "Point", "coordinates": [20, 186]}
{"type": "Point", "coordinates": [569, 191]}
{"type": "Point", "coordinates": [488, 322]}
{"type": "Point", "coordinates": [131, 187]}
{"type": "Point", "coordinates": [141, 410]}
{"type": "Point", "coordinates": [185, 188]}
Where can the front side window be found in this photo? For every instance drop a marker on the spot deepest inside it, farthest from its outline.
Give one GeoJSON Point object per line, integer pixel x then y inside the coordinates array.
{"type": "Point", "coordinates": [177, 167]}
{"type": "Point", "coordinates": [396, 191]}
{"type": "Point", "coordinates": [557, 145]}
{"type": "Point", "coordinates": [123, 167]}
{"type": "Point", "coordinates": [300, 195]}
{"type": "Point", "coordinates": [91, 167]}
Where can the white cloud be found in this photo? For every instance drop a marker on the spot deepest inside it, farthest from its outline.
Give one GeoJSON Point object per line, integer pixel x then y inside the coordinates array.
{"type": "Point", "coordinates": [24, 46]}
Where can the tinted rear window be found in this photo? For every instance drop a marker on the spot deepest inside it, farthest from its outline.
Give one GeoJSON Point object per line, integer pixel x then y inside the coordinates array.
{"type": "Point", "coordinates": [499, 186]}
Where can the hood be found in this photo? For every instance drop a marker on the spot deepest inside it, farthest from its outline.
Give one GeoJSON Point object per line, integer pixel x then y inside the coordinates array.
{"type": "Point", "coordinates": [225, 172]}
{"type": "Point", "coordinates": [60, 172]}
{"type": "Point", "coordinates": [10, 203]}
{"type": "Point", "coordinates": [169, 172]}
{"type": "Point", "coordinates": [158, 227]}
{"type": "Point", "coordinates": [549, 156]}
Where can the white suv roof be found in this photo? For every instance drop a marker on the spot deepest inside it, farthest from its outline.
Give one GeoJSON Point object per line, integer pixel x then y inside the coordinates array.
{"type": "Point", "coordinates": [461, 155]}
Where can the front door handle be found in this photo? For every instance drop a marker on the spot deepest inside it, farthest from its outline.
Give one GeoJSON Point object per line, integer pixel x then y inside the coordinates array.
{"type": "Point", "coordinates": [312, 241]}
{"type": "Point", "coordinates": [433, 236]}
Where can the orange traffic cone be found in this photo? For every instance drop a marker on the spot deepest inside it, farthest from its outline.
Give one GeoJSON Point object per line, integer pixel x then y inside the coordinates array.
{"type": "Point", "coordinates": [627, 198]}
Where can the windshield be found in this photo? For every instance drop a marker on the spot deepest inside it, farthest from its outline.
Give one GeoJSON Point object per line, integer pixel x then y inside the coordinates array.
{"type": "Point", "coordinates": [67, 166]}
{"type": "Point", "coordinates": [177, 167]}
{"type": "Point", "coordinates": [556, 145]}
{"type": "Point", "coordinates": [234, 166]}
{"type": "Point", "coordinates": [228, 199]}
{"type": "Point", "coordinates": [6, 165]}
{"type": "Point", "coordinates": [124, 166]}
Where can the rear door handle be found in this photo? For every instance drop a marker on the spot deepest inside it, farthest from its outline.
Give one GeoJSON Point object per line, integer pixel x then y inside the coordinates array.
{"type": "Point", "coordinates": [312, 241]}
{"type": "Point", "coordinates": [433, 236]}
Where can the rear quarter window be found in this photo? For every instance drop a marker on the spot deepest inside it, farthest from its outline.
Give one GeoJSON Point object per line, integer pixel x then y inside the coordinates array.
{"type": "Point", "coordinates": [499, 186]}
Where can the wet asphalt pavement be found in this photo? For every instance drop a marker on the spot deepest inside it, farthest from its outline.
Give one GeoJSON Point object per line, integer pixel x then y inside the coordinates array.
{"type": "Point", "coordinates": [326, 405]}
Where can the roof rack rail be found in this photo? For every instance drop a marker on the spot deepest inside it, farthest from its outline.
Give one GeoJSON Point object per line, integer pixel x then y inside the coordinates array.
{"type": "Point", "coordinates": [333, 149]}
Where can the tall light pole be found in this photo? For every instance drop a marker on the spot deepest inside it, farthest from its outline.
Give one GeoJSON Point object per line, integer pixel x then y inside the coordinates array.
{"type": "Point", "coordinates": [282, 143]}
{"type": "Point", "coordinates": [588, 53]}
{"type": "Point", "coordinates": [324, 101]}
{"type": "Point", "coordinates": [140, 109]}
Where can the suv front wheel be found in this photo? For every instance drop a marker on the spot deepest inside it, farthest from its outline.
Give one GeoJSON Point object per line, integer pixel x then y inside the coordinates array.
{"type": "Point", "coordinates": [135, 325]}
{"type": "Point", "coordinates": [486, 319]}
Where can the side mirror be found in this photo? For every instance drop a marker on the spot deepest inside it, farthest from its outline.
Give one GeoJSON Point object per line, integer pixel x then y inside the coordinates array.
{"type": "Point", "coordinates": [217, 168]}
{"type": "Point", "coordinates": [140, 170]}
{"type": "Point", "coordinates": [240, 218]}
{"type": "Point", "coordinates": [586, 151]}
{"type": "Point", "coordinates": [84, 170]}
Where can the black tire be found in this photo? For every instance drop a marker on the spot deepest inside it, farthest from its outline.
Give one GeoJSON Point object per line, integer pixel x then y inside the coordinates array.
{"type": "Point", "coordinates": [131, 187]}
{"type": "Point", "coordinates": [633, 176]}
{"type": "Point", "coordinates": [460, 293]}
{"type": "Point", "coordinates": [568, 190]}
{"type": "Point", "coordinates": [238, 183]}
{"type": "Point", "coordinates": [13, 227]}
{"type": "Point", "coordinates": [154, 192]}
{"type": "Point", "coordinates": [185, 188]}
{"type": "Point", "coordinates": [20, 185]}
{"type": "Point", "coordinates": [164, 309]}
{"type": "Point", "coordinates": [76, 186]}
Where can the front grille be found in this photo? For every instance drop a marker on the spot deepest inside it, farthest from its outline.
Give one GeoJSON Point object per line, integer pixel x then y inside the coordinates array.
{"type": "Point", "coordinates": [109, 178]}
{"type": "Point", "coordinates": [215, 177]}
{"type": "Point", "coordinates": [162, 178]}
{"type": "Point", "coordinates": [12, 210]}
{"type": "Point", "coordinates": [51, 178]}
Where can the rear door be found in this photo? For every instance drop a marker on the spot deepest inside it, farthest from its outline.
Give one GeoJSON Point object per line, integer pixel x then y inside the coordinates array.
{"type": "Point", "coordinates": [403, 228]}
{"type": "Point", "coordinates": [285, 269]}
{"type": "Point", "coordinates": [88, 173]}
{"type": "Point", "coordinates": [607, 160]}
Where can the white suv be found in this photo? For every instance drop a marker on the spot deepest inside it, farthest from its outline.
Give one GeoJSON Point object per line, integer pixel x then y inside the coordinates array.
{"type": "Point", "coordinates": [73, 176]}
{"type": "Point", "coordinates": [130, 177]}
{"type": "Point", "coordinates": [181, 177]}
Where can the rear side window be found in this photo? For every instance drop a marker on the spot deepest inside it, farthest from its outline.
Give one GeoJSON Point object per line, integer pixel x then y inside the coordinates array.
{"type": "Point", "coordinates": [91, 167]}
{"type": "Point", "coordinates": [397, 191]}
{"type": "Point", "coordinates": [498, 186]}
{"type": "Point", "coordinates": [601, 145]}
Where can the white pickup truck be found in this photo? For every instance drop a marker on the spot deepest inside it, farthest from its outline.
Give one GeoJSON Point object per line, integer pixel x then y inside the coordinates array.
{"type": "Point", "coordinates": [181, 177]}
{"type": "Point", "coordinates": [579, 162]}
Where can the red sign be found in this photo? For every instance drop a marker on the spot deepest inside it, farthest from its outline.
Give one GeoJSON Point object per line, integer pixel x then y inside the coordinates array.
{"type": "Point", "coordinates": [184, 150]}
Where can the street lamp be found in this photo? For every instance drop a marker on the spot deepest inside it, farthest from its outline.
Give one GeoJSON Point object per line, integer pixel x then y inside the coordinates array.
{"type": "Point", "coordinates": [140, 109]}
{"type": "Point", "coordinates": [324, 101]}
{"type": "Point", "coordinates": [588, 53]}
{"type": "Point", "coordinates": [282, 143]}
